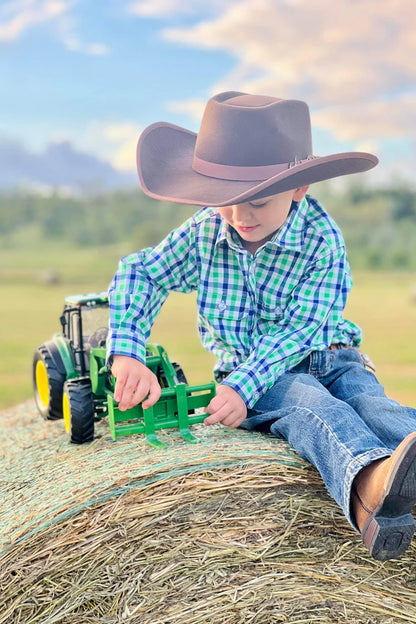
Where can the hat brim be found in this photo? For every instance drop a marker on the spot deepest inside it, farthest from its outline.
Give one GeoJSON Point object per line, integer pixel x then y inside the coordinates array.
{"type": "Point", "coordinates": [165, 154]}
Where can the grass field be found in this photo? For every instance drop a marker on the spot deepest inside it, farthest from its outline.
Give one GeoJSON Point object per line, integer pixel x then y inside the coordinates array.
{"type": "Point", "coordinates": [383, 304]}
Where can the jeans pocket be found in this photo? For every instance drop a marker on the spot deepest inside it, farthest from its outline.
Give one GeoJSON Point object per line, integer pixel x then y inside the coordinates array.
{"type": "Point", "coordinates": [353, 354]}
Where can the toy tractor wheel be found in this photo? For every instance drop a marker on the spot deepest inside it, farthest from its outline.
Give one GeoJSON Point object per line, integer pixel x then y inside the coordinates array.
{"type": "Point", "coordinates": [179, 374]}
{"type": "Point", "coordinates": [181, 378]}
{"type": "Point", "coordinates": [78, 410]}
{"type": "Point", "coordinates": [48, 383]}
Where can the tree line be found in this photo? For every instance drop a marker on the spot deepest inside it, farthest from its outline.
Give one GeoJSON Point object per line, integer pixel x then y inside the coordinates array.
{"type": "Point", "coordinates": [379, 225]}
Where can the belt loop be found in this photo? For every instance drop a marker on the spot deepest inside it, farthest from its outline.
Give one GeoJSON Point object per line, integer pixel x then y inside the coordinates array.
{"type": "Point", "coordinates": [312, 362]}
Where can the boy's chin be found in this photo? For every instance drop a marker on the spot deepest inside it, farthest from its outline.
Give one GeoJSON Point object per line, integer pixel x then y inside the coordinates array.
{"type": "Point", "coordinates": [259, 240]}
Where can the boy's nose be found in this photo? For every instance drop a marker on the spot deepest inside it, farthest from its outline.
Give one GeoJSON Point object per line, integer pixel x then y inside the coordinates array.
{"type": "Point", "coordinates": [240, 212]}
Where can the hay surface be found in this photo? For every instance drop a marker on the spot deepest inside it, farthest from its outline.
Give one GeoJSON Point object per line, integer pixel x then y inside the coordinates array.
{"type": "Point", "coordinates": [234, 529]}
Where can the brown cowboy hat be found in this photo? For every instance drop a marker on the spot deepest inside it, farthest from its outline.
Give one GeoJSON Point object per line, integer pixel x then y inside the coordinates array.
{"type": "Point", "coordinates": [248, 146]}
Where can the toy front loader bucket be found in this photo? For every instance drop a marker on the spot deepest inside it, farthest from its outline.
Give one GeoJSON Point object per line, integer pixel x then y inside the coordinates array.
{"type": "Point", "coordinates": [174, 409]}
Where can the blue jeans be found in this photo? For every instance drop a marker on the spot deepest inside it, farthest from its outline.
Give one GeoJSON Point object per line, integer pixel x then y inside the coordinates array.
{"type": "Point", "coordinates": [334, 412]}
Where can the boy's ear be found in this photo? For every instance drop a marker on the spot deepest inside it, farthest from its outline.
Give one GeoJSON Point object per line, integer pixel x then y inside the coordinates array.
{"type": "Point", "coordinates": [300, 193]}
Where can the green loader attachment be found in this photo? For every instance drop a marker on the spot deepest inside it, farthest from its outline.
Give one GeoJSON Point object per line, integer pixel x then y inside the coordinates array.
{"type": "Point", "coordinates": [72, 381]}
{"type": "Point", "coordinates": [176, 407]}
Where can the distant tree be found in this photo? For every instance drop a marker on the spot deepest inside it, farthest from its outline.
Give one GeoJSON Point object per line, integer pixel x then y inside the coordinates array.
{"type": "Point", "coordinates": [379, 225]}
{"type": "Point", "coordinates": [403, 204]}
{"type": "Point", "coordinates": [357, 193]}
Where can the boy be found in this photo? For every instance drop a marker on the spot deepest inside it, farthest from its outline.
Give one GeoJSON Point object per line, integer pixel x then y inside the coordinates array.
{"type": "Point", "coordinates": [272, 277]}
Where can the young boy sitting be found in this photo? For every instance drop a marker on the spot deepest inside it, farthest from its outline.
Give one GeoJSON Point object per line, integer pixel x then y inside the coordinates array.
{"type": "Point", "coordinates": [272, 279]}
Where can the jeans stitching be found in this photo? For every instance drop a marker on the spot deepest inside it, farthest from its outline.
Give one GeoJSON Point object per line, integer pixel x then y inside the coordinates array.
{"type": "Point", "coordinates": [309, 411]}
{"type": "Point", "coordinates": [354, 461]}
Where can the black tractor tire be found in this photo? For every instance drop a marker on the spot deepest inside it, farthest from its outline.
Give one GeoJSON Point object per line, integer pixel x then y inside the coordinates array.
{"type": "Point", "coordinates": [179, 374]}
{"type": "Point", "coordinates": [48, 382]}
{"type": "Point", "coordinates": [78, 409]}
{"type": "Point", "coordinates": [181, 378]}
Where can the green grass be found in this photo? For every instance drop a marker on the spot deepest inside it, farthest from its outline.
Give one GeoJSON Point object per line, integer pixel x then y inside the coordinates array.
{"type": "Point", "coordinates": [31, 309]}
{"type": "Point", "coordinates": [384, 304]}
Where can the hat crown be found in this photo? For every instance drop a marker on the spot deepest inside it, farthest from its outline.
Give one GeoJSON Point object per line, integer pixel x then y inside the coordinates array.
{"type": "Point", "coordinates": [242, 130]}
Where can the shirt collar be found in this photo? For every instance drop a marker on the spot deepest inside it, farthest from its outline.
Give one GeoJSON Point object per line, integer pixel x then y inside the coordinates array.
{"type": "Point", "coordinates": [228, 236]}
{"type": "Point", "coordinates": [289, 236]}
{"type": "Point", "coordinates": [224, 236]}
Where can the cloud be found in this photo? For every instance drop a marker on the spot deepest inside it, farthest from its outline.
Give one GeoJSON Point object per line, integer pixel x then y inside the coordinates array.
{"type": "Point", "coordinates": [116, 142]}
{"type": "Point", "coordinates": [351, 60]}
{"type": "Point", "coordinates": [73, 43]}
{"type": "Point", "coordinates": [19, 16]}
{"type": "Point", "coordinates": [123, 138]}
{"type": "Point", "coordinates": [192, 108]}
{"type": "Point", "coordinates": [167, 8]}
{"type": "Point", "coordinates": [159, 8]}
{"type": "Point", "coordinates": [388, 119]}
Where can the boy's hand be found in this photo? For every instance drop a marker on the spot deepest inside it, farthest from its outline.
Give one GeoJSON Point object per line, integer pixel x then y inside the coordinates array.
{"type": "Point", "coordinates": [134, 382]}
{"type": "Point", "coordinates": [227, 407]}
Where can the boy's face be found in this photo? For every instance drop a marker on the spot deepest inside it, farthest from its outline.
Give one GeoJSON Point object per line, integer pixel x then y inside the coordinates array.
{"type": "Point", "coordinates": [257, 221]}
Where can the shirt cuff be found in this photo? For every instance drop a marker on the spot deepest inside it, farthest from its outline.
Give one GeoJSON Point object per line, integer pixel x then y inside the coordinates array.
{"type": "Point", "coordinates": [130, 346]}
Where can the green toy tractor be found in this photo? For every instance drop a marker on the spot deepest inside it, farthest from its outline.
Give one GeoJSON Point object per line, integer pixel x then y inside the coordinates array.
{"type": "Point", "coordinates": [72, 381]}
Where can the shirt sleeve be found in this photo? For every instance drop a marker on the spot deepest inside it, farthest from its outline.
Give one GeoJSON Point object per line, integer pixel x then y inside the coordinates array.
{"type": "Point", "coordinates": [141, 285]}
{"type": "Point", "coordinates": [309, 323]}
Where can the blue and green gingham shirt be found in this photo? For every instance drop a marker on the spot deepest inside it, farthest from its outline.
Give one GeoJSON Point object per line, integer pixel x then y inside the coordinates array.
{"type": "Point", "coordinates": [260, 315]}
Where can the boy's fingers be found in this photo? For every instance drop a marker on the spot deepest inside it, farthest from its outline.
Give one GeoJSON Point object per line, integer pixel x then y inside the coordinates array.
{"type": "Point", "coordinates": [142, 392]}
{"type": "Point", "coordinates": [218, 416]}
{"type": "Point", "coordinates": [214, 405]}
{"type": "Point", "coordinates": [119, 389]}
{"type": "Point", "coordinates": [228, 419]}
{"type": "Point", "coordinates": [127, 397]}
{"type": "Point", "coordinates": [154, 395]}
{"type": "Point", "coordinates": [138, 392]}
{"type": "Point", "coordinates": [134, 383]}
{"type": "Point", "coordinates": [211, 420]}
{"type": "Point", "coordinates": [233, 421]}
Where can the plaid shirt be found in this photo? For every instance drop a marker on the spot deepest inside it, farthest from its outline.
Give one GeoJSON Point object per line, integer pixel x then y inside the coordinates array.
{"type": "Point", "coordinates": [260, 315]}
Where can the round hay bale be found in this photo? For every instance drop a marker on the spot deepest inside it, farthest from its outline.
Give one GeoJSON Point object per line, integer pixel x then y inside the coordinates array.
{"type": "Point", "coordinates": [50, 277]}
{"type": "Point", "coordinates": [234, 529]}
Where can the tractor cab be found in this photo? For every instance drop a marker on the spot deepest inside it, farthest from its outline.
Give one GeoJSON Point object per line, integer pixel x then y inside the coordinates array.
{"type": "Point", "coordinates": [85, 325]}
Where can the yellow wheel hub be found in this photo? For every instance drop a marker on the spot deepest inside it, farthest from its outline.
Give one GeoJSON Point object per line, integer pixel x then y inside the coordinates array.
{"type": "Point", "coordinates": [42, 383]}
{"type": "Point", "coordinates": [66, 410]}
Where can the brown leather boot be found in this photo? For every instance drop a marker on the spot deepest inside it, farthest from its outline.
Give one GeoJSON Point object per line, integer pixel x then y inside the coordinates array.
{"type": "Point", "coordinates": [382, 497]}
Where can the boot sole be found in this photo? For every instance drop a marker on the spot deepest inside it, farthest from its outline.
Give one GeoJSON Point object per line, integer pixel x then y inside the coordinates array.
{"type": "Point", "coordinates": [388, 538]}
{"type": "Point", "coordinates": [389, 530]}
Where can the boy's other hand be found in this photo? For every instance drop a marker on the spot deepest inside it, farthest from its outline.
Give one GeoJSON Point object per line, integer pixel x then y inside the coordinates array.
{"type": "Point", "coordinates": [227, 408]}
{"type": "Point", "coordinates": [134, 382]}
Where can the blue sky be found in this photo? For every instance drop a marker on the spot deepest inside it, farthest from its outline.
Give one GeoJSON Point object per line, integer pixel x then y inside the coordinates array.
{"type": "Point", "coordinates": [94, 73]}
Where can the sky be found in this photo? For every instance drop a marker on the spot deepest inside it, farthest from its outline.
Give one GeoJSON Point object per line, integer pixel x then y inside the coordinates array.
{"type": "Point", "coordinates": [92, 74]}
